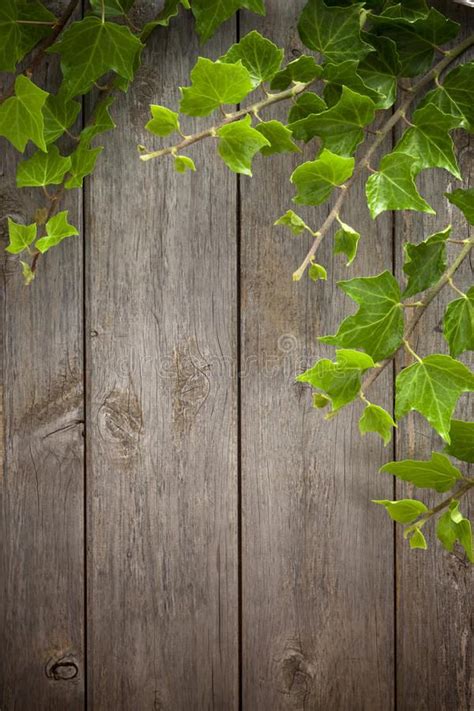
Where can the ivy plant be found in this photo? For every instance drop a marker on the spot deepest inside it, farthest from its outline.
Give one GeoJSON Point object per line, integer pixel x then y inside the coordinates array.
{"type": "Point", "coordinates": [370, 67]}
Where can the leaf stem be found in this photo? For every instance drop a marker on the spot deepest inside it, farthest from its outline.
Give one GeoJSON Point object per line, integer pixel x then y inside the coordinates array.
{"type": "Point", "coordinates": [445, 503]}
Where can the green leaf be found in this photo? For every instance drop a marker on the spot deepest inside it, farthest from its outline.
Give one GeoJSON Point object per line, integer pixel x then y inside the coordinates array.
{"type": "Point", "coordinates": [17, 35]}
{"type": "Point", "coordinates": [83, 162]}
{"type": "Point", "coordinates": [43, 169]}
{"type": "Point", "coordinates": [163, 121]}
{"type": "Point", "coordinates": [410, 10]}
{"type": "Point", "coordinates": [464, 200]}
{"type": "Point", "coordinates": [59, 114]}
{"type": "Point", "coordinates": [316, 179]}
{"type": "Point", "coordinates": [425, 262]}
{"type": "Point", "coordinates": [170, 10]}
{"type": "Point", "coordinates": [90, 48]}
{"type": "Point", "coordinates": [452, 527]}
{"type": "Point", "coordinates": [432, 387]}
{"type": "Point", "coordinates": [377, 327]}
{"type": "Point", "coordinates": [303, 69]}
{"type": "Point", "coordinates": [393, 186]}
{"type": "Point", "coordinates": [376, 419]}
{"type": "Point", "coordinates": [417, 539]}
{"type": "Point", "coordinates": [317, 272]}
{"type": "Point", "coordinates": [111, 8]}
{"type": "Point", "coordinates": [437, 473]}
{"type": "Point", "coordinates": [320, 401]}
{"type": "Point", "coordinates": [454, 96]}
{"type": "Point", "coordinates": [27, 273]}
{"type": "Point", "coordinates": [380, 69]}
{"type": "Point", "coordinates": [21, 117]}
{"type": "Point", "coordinates": [345, 242]}
{"type": "Point", "coordinates": [346, 74]}
{"type": "Point", "coordinates": [21, 236]}
{"type": "Point", "coordinates": [429, 141]}
{"type": "Point", "coordinates": [278, 136]}
{"type": "Point", "coordinates": [210, 14]}
{"type": "Point", "coordinates": [462, 441]}
{"type": "Point", "coordinates": [238, 144]}
{"type": "Point", "coordinates": [340, 127]}
{"type": "Point", "coordinates": [404, 510]}
{"type": "Point", "coordinates": [333, 31]}
{"type": "Point", "coordinates": [258, 54]}
{"type": "Point", "coordinates": [458, 324]}
{"type": "Point", "coordinates": [294, 222]}
{"type": "Point", "coordinates": [183, 164]}
{"type": "Point", "coordinates": [102, 122]}
{"type": "Point", "coordinates": [339, 380]}
{"type": "Point", "coordinates": [214, 84]}
{"type": "Point", "coordinates": [306, 104]}
{"type": "Point", "coordinates": [57, 229]}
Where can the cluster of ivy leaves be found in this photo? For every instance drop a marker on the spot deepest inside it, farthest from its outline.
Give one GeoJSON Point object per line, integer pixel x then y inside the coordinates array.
{"type": "Point", "coordinates": [361, 54]}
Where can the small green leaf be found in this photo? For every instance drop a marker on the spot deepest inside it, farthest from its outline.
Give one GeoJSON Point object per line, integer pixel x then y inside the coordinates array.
{"type": "Point", "coordinates": [432, 387]}
{"type": "Point", "coordinates": [258, 54]}
{"type": "Point", "coordinates": [83, 162]}
{"type": "Point", "coordinates": [183, 164]}
{"type": "Point", "coordinates": [306, 104]}
{"type": "Point", "coordinates": [462, 441]}
{"type": "Point", "coordinates": [27, 272]}
{"type": "Point", "coordinates": [279, 137]}
{"type": "Point", "coordinates": [21, 116]}
{"type": "Point", "coordinates": [333, 31]}
{"type": "Point", "coordinates": [438, 473]}
{"type": "Point", "coordinates": [169, 11]}
{"type": "Point", "coordinates": [57, 229]}
{"type": "Point", "coordinates": [346, 241]}
{"type": "Point", "coordinates": [320, 401]}
{"type": "Point", "coordinates": [393, 186]}
{"type": "Point", "coordinates": [458, 324]}
{"type": "Point", "coordinates": [379, 70]}
{"type": "Point", "coordinates": [464, 200]}
{"type": "Point", "coordinates": [21, 236]}
{"type": "Point", "coordinates": [452, 527]}
{"type": "Point", "coordinates": [417, 540]}
{"type": "Point", "coordinates": [164, 121]}
{"type": "Point", "coordinates": [316, 179]}
{"type": "Point", "coordinates": [303, 69]}
{"type": "Point", "coordinates": [59, 114]}
{"type": "Point", "coordinates": [317, 272]}
{"type": "Point", "coordinates": [100, 123]}
{"type": "Point", "coordinates": [294, 222]}
{"type": "Point", "coordinates": [376, 419]}
{"type": "Point", "coordinates": [214, 84]}
{"type": "Point", "coordinates": [210, 14]}
{"type": "Point", "coordinates": [238, 144]}
{"type": "Point", "coordinates": [404, 510]}
{"type": "Point", "coordinates": [43, 169]}
{"type": "Point", "coordinates": [425, 262]}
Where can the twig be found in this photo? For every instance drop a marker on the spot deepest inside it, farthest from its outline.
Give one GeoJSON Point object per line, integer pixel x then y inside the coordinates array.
{"type": "Point", "coordinates": [443, 504]}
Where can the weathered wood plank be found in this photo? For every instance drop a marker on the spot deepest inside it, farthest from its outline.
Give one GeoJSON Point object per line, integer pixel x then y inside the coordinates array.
{"type": "Point", "coordinates": [162, 482]}
{"type": "Point", "coordinates": [42, 550]}
{"type": "Point", "coordinates": [317, 560]}
{"type": "Point", "coordinates": [434, 588]}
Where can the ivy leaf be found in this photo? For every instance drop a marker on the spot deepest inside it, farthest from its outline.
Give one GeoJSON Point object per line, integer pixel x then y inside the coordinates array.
{"type": "Point", "coordinates": [425, 262]}
{"type": "Point", "coordinates": [376, 419]}
{"type": "Point", "coordinates": [317, 272]}
{"type": "Point", "coordinates": [111, 8]}
{"type": "Point", "coordinates": [43, 169]}
{"type": "Point", "coordinates": [340, 127]}
{"type": "Point", "coordinates": [170, 10]}
{"type": "Point", "coordinates": [333, 31]}
{"type": "Point", "coordinates": [163, 121]}
{"type": "Point", "coordinates": [346, 241]}
{"type": "Point", "coordinates": [462, 441]}
{"type": "Point", "coordinates": [303, 69]}
{"type": "Point", "coordinates": [213, 84]}
{"type": "Point", "coordinates": [294, 222]}
{"type": "Point", "coordinates": [90, 48]}
{"type": "Point", "coordinates": [339, 380]}
{"type": "Point", "coordinates": [261, 57]}
{"type": "Point", "coordinates": [454, 96]}
{"type": "Point", "coordinates": [380, 69]}
{"type": "Point", "coordinates": [452, 527]}
{"type": "Point", "coordinates": [464, 200]}
{"type": "Point", "coordinates": [278, 136]}
{"type": "Point", "coordinates": [17, 35]}
{"type": "Point", "coordinates": [346, 74]}
{"type": "Point", "coordinates": [83, 162]}
{"type": "Point", "coordinates": [210, 14]}
{"type": "Point", "coordinates": [316, 179]}
{"type": "Point", "coordinates": [21, 117]}
{"type": "Point", "coordinates": [429, 142]}
{"type": "Point", "coordinates": [404, 510]}
{"type": "Point", "coordinates": [432, 387]}
{"type": "Point", "coordinates": [437, 473]}
{"type": "Point", "coordinates": [410, 10]}
{"type": "Point", "coordinates": [320, 401]}
{"type": "Point", "coordinates": [57, 229]}
{"type": "Point", "coordinates": [458, 324]}
{"type": "Point", "coordinates": [393, 186]}
{"type": "Point", "coordinates": [306, 104]}
{"type": "Point", "coordinates": [238, 144]}
{"type": "Point", "coordinates": [377, 327]}
{"type": "Point", "coordinates": [183, 163]}
{"type": "Point", "coordinates": [59, 114]}
{"type": "Point", "coordinates": [101, 123]}
{"type": "Point", "coordinates": [21, 236]}
{"type": "Point", "coordinates": [417, 539]}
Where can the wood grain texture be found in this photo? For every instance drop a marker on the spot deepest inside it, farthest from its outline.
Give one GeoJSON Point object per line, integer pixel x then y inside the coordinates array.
{"type": "Point", "coordinates": [434, 588]}
{"type": "Point", "coordinates": [162, 472]}
{"type": "Point", "coordinates": [317, 588]}
{"type": "Point", "coordinates": [42, 549]}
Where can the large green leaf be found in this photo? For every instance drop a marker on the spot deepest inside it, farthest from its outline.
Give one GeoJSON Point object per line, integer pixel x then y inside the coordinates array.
{"type": "Point", "coordinates": [404, 510]}
{"type": "Point", "coordinates": [21, 236]}
{"type": "Point", "coordinates": [458, 324]}
{"type": "Point", "coordinates": [345, 74]}
{"type": "Point", "coordinates": [210, 14]}
{"type": "Point", "coordinates": [333, 31]}
{"type": "Point", "coordinates": [238, 144]}
{"type": "Point", "coordinates": [379, 70]}
{"type": "Point", "coordinates": [59, 114]}
{"type": "Point", "coordinates": [43, 169]}
{"type": "Point", "coordinates": [90, 48]}
{"type": "Point", "coordinates": [316, 179]}
{"type": "Point", "coordinates": [437, 473]}
{"type": "Point", "coordinates": [393, 187]}
{"type": "Point", "coordinates": [454, 95]}
{"type": "Point", "coordinates": [57, 229]}
{"type": "Point", "coordinates": [23, 23]}
{"type": "Point", "coordinates": [261, 57]}
{"type": "Point", "coordinates": [377, 327]}
{"type": "Point", "coordinates": [425, 262]}
{"type": "Point", "coordinates": [279, 137]}
{"type": "Point", "coordinates": [432, 387]}
{"type": "Point", "coordinates": [376, 419]}
{"type": "Point", "coordinates": [464, 200]}
{"type": "Point", "coordinates": [462, 441]}
{"type": "Point", "coordinates": [214, 84]}
{"type": "Point", "coordinates": [21, 116]}
{"type": "Point", "coordinates": [452, 527]}
{"type": "Point", "coordinates": [303, 69]}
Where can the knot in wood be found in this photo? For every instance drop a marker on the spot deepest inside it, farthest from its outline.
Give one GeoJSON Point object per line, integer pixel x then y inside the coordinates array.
{"type": "Point", "coordinates": [63, 669]}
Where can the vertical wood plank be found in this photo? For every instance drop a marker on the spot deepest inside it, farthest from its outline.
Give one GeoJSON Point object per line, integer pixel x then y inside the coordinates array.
{"type": "Point", "coordinates": [41, 484]}
{"type": "Point", "coordinates": [162, 519]}
{"type": "Point", "coordinates": [434, 588]}
{"type": "Point", "coordinates": [317, 586]}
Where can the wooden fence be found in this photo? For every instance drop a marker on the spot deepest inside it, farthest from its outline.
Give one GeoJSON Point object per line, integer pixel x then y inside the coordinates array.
{"type": "Point", "coordinates": [176, 537]}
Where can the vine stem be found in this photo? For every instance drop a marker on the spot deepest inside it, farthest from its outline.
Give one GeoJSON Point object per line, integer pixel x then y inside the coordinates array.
{"type": "Point", "coordinates": [381, 135]}
{"type": "Point", "coordinates": [270, 99]}
{"type": "Point", "coordinates": [444, 504]}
